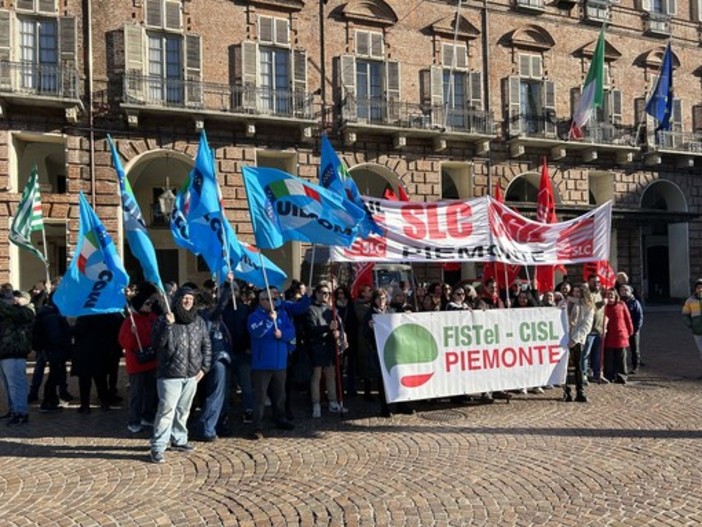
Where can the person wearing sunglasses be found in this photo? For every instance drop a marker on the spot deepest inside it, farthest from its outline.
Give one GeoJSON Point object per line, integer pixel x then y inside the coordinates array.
{"type": "Point", "coordinates": [458, 300]}
{"type": "Point", "coordinates": [326, 339]}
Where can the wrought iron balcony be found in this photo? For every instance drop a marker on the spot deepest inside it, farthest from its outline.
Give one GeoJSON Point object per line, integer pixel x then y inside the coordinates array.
{"type": "Point", "coordinates": [682, 142]}
{"type": "Point", "coordinates": [24, 79]}
{"type": "Point", "coordinates": [657, 24]}
{"type": "Point", "coordinates": [609, 134]}
{"type": "Point", "coordinates": [150, 91]}
{"type": "Point", "coordinates": [531, 125]}
{"type": "Point", "coordinates": [414, 116]}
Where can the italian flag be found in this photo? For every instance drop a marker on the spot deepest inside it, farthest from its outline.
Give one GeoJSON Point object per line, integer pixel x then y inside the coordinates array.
{"type": "Point", "coordinates": [592, 93]}
{"type": "Point", "coordinates": [90, 245]}
{"type": "Point", "coordinates": [289, 187]}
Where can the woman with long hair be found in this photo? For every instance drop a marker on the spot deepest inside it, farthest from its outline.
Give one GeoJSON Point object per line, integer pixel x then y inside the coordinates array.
{"type": "Point", "coordinates": [580, 308]}
{"type": "Point", "coordinates": [618, 329]}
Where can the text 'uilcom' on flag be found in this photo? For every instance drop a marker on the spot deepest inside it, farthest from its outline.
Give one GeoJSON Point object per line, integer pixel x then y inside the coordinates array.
{"type": "Point", "coordinates": [334, 176]}
{"type": "Point", "coordinates": [95, 280]}
{"type": "Point", "coordinates": [284, 208]}
{"type": "Point", "coordinates": [28, 218]}
{"type": "Point", "coordinates": [134, 225]}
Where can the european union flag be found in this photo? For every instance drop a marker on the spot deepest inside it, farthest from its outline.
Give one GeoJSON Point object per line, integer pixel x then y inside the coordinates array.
{"type": "Point", "coordinates": [134, 225]}
{"type": "Point", "coordinates": [206, 223]}
{"type": "Point", "coordinates": [95, 280]}
{"type": "Point", "coordinates": [334, 175]}
{"type": "Point", "coordinates": [660, 105]}
{"type": "Point", "coordinates": [284, 208]}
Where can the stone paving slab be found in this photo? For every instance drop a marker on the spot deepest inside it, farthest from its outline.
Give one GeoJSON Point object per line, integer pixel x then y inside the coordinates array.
{"type": "Point", "coordinates": [629, 457]}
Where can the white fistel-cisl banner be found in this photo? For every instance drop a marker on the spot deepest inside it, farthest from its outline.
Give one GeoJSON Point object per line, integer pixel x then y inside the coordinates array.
{"type": "Point", "coordinates": [442, 354]}
{"type": "Point", "coordinates": [477, 230]}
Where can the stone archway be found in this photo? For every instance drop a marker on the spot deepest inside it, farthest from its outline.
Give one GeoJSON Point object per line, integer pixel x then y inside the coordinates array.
{"type": "Point", "coordinates": [665, 247]}
{"type": "Point", "coordinates": [372, 179]}
{"type": "Point", "coordinates": [524, 188]}
{"type": "Point", "coordinates": [149, 174]}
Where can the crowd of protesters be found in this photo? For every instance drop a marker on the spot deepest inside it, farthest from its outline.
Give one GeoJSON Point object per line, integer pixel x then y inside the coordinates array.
{"type": "Point", "coordinates": [192, 347]}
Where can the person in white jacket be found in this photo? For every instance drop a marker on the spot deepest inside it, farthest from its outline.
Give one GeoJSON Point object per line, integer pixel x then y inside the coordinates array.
{"type": "Point", "coordinates": [581, 312]}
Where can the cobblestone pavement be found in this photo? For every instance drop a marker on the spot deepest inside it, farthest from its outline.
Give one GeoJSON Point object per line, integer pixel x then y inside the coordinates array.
{"type": "Point", "coordinates": [631, 456]}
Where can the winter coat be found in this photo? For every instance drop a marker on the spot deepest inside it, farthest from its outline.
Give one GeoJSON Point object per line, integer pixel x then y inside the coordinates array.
{"type": "Point", "coordinates": [692, 311]}
{"type": "Point", "coordinates": [16, 324]}
{"type": "Point", "coordinates": [320, 339]}
{"type": "Point", "coordinates": [268, 352]}
{"type": "Point", "coordinates": [234, 319]}
{"type": "Point", "coordinates": [619, 326]}
{"type": "Point", "coordinates": [598, 321]}
{"type": "Point", "coordinates": [580, 318]}
{"type": "Point", "coordinates": [145, 324]}
{"type": "Point", "coordinates": [371, 368]}
{"type": "Point", "coordinates": [52, 333]}
{"type": "Point", "coordinates": [95, 343]}
{"type": "Point", "coordinates": [182, 350]}
{"type": "Point", "coordinates": [636, 312]}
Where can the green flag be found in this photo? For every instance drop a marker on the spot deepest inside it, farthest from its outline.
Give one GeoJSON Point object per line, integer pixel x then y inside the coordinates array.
{"type": "Point", "coordinates": [28, 217]}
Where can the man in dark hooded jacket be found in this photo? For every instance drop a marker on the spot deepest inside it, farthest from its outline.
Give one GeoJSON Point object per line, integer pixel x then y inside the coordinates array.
{"type": "Point", "coordinates": [184, 353]}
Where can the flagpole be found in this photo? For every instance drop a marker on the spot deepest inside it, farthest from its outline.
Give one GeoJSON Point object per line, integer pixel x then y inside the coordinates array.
{"type": "Point", "coordinates": [337, 366]}
{"type": "Point", "coordinates": [507, 299]}
{"type": "Point", "coordinates": [46, 256]}
{"type": "Point", "coordinates": [268, 288]}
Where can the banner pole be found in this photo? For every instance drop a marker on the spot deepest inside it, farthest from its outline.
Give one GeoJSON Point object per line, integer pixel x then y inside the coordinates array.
{"type": "Point", "coordinates": [46, 257]}
{"type": "Point", "coordinates": [508, 301]}
{"type": "Point", "coordinates": [337, 358]}
{"type": "Point", "coordinates": [268, 287]}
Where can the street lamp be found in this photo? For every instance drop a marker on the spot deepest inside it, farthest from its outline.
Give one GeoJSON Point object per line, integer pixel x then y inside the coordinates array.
{"type": "Point", "coordinates": [166, 201]}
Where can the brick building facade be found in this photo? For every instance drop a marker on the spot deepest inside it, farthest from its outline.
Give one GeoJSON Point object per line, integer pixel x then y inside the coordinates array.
{"type": "Point", "coordinates": [447, 98]}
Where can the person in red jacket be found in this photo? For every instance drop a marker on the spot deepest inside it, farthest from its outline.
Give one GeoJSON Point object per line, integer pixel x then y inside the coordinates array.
{"type": "Point", "coordinates": [142, 375]}
{"type": "Point", "coordinates": [618, 329]}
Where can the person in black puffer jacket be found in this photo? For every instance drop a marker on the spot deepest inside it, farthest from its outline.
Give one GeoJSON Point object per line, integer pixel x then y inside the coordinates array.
{"type": "Point", "coordinates": [184, 353]}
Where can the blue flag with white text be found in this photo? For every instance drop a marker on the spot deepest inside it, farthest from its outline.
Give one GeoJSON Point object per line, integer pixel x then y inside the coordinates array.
{"type": "Point", "coordinates": [284, 207]}
{"type": "Point", "coordinates": [249, 268]}
{"type": "Point", "coordinates": [205, 217]}
{"type": "Point", "coordinates": [660, 105]}
{"type": "Point", "coordinates": [334, 175]}
{"type": "Point", "coordinates": [134, 225]}
{"type": "Point", "coordinates": [95, 280]}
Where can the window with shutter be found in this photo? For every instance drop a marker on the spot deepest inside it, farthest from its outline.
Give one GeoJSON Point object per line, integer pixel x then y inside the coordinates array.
{"type": "Point", "coordinates": [615, 116]}
{"type": "Point", "coordinates": [549, 107]}
{"type": "Point", "coordinates": [248, 74]}
{"type": "Point", "coordinates": [193, 69]}
{"type": "Point", "coordinates": [676, 122]}
{"type": "Point", "coordinates": [392, 84]}
{"type": "Point", "coordinates": [376, 45]}
{"type": "Point", "coordinates": [173, 15]}
{"type": "Point", "coordinates": [530, 66]}
{"type": "Point", "coordinates": [301, 103]}
{"type": "Point", "coordinates": [46, 6]}
{"type": "Point", "coordinates": [282, 32]}
{"type": "Point", "coordinates": [68, 48]}
{"type": "Point", "coordinates": [362, 43]}
{"type": "Point", "coordinates": [696, 10]}
{"type": "Point", "coordinates": [457, 53]}
{"type": "Point", "coordinates": [6, 19]}
{"type": "Point", "coordinates": [346, 68]}
{"type": "Point", "coordinates": [697, 119]}
{"type": "Point", "coordinates": [154, 13]}
{"type": "Point", "coordinates": [475, 90]}
{"type": "Point", "coordinates": [134, 61]}
{"type": "Point", "coordinates": [265, 29]}
{"type": "Point", "coordinates": [25, 5]}
{"type": "Point", "coordinates": [512, 86]}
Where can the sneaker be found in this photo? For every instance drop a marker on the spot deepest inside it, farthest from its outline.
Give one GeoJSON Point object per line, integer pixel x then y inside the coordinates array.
{"type": "Point", "coordinates": [134, 429]}
{"type": "Point", "coordinates": [156, 457]}
{"type": "Point", "coordinates": [337, 408]}
{"type": "Point", "coordinates": [285, 425]}
{"type": "Point", "coordinates": [185, 447]}
{"type": "Point", "coordinates": [18, 419]}
{"type": "Point", "coordinates": [581, 398]}
{"type": "Point", "coordinates": [603, 380]}
{"type": "Point", "coordinates": [65, 396]}
{"type": "Point", "coordinates": [317, 410]}
{"type": "Point", "coordinates": [247, 418]}
{"type": "Point", "coordinates": [537, 390]}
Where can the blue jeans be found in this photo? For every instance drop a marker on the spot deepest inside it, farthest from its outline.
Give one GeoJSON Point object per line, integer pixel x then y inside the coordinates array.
{"type": "Point", "coordinates": [14, 376]}
{"type": "Point", "coordinates": [175, 396]}
{"type": "Point", "coordinates": [241, 364]}
{"type": "Point", "coordinates": [216, 391]}
{"type": "Point", "coordinates": [592, 355]}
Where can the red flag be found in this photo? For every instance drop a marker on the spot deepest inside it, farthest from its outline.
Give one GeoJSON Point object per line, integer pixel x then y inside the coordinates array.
{"type": "Point", "coordinates": [389, 193]}
{"type": "Point", "coordinates": [603, 271]}
{"type": "Point", "coordinates": [498, 271]}
{"type": "Point", "coordinates": [545, 213]}
{"type": "Point", "coordinates": [364, 276]}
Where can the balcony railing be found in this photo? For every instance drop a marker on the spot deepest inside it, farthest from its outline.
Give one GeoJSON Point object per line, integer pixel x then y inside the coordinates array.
{"type": "Point", "coordinates": [381, 112]}
{"type": "Point", "coordinates": [609, 134]}
{"type": "Point", "coordinates": [657, 24]}
{"type": "Point", "coordinates": [143, 90]}
{"type": "Point", "coordinates": [544, 125]}
{"type": "Point", "coordinates": [23, 78]}
{"type": "Point", "coordinates": [679, 141]}
{"type": "Point", "coordinates": [597, 10]}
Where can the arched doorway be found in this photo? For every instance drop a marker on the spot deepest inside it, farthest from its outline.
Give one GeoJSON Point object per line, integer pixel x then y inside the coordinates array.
{"type": "Point", "coordinates": [150, 174]}
{"type": "Point", "coordinates": [665, 246]}
{"type": "Point", "coordinates": [525, 189]}
{"type": "Point", "coordinates": [372, 179]}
